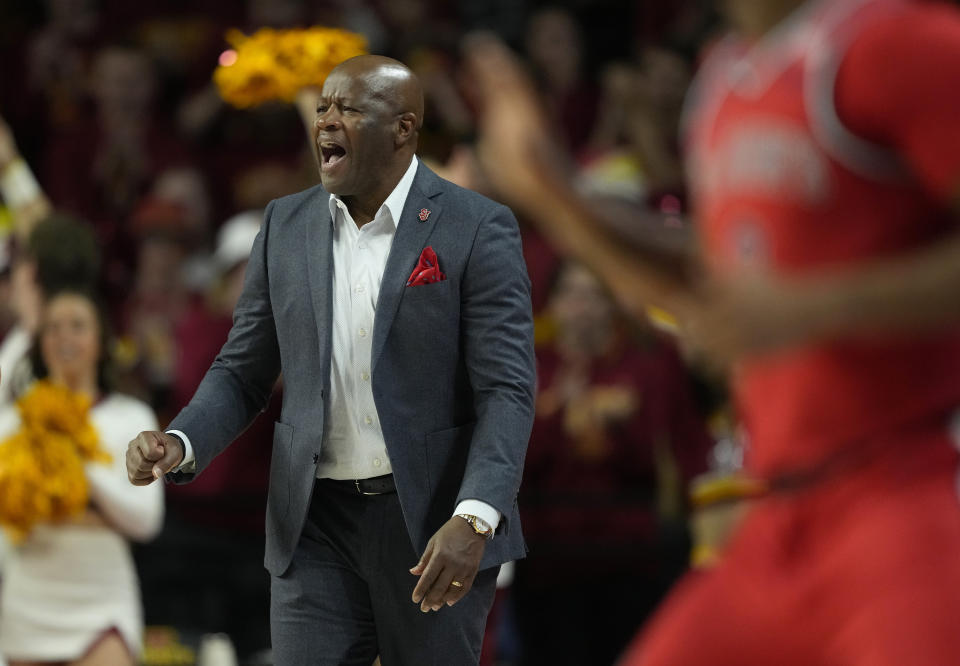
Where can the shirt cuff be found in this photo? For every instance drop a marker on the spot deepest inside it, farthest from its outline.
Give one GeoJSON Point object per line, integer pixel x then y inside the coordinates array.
{"type": "Point", "coordinates": [481, 510]}
{"type": "Point", "coordinates": [189, 463]}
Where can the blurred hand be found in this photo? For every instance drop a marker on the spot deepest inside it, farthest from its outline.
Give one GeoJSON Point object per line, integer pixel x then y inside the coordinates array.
{"type": "Point", "coordinates": [452, 554]}
{"type": "Point", "coordinates": [151, 455]}
{"type": "Point", "coordinates": [514, 144]}
{"type": "Point", "coordinates": [8, 147]}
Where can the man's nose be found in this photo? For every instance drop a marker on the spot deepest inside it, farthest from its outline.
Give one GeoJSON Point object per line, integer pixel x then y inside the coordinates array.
{"type": "Point", "coordinates": [328, 121]}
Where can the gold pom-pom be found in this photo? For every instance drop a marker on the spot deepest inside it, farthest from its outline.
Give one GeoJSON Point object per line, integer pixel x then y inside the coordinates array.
{"type": "Point", "coordinates": [42, 477]}
{"type": "Point", "coordinates": [272, 65]}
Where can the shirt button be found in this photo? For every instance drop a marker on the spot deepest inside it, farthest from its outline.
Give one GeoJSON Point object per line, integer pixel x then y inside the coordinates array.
{"type": "Point", "coordinates": [359, 289]}
{"type": "Point", "coordinates": [368, 419]}
{"type": "Point", "coordinates": [365, 376]}
{"type": "Point", "coordinates": [362, 332]}
{"type": "Point", "coordinates": [376, 462]}
{"type": "Point", "coordinates": [362, 246]}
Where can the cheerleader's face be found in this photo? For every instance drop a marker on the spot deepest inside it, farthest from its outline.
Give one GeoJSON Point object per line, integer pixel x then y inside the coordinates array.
{"type": "Point", "coordinates": [70, 339]}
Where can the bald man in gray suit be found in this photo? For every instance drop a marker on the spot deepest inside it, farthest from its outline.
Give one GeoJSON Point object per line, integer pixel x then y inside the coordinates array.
{"type": "Point", "coordinates": [397, 307]}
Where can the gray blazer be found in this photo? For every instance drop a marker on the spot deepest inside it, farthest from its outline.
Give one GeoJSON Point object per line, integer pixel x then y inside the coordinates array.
{"type": "Point", "coordinates": [453, 365]}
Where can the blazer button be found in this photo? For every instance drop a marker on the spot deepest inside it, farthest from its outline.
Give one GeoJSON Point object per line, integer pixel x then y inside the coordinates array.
{"type": "Point", "coordinates": [316, 458]}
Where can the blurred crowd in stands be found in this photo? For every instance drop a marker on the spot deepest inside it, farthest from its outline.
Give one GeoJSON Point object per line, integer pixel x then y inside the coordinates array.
{"type": "Point", "coordinates": [111, 105]}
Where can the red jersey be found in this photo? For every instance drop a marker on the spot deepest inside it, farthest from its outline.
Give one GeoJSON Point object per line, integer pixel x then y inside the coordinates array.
{"type": "Point", "coordinates": [833, 142]}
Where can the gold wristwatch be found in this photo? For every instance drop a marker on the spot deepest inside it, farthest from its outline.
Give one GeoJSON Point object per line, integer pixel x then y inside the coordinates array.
{"type": "Point", "coordinates": [479, 525]}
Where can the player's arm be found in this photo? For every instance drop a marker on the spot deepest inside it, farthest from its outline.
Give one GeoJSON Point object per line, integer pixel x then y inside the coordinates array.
{"type": "Point", "coordinates": [727, 319]}
{"type": "Point", "coordinates": [917, 291]}
{"type": "Point", "coordinates": [525, 165]}
{"type": "Point", "coordinates": [896, 86]}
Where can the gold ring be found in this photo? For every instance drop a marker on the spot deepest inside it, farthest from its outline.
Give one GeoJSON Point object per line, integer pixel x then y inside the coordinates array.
{"type": "Point", "coordinates": [456, 583]}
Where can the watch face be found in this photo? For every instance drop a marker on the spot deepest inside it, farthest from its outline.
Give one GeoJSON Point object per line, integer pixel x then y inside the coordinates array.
{"type": "Point", "coordinates": [481, 526]}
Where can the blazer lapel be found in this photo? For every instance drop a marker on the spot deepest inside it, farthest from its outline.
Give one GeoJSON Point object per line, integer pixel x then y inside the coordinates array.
{"type": "Point", "coordinates": [320, 273]}
{"type": "Point", "coordinates": [408, 243]}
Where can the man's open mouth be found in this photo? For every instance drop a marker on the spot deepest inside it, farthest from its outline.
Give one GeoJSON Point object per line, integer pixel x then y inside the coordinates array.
{"type": "Point", "coordinates": [330, 154]}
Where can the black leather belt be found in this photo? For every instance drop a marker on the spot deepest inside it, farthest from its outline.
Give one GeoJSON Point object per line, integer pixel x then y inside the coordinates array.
{"type": "Point", "coordinates": [378, 485]}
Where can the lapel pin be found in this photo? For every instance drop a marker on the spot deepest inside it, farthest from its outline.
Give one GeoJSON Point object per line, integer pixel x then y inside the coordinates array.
{"type": "Point", "coordinates": [424, 214]}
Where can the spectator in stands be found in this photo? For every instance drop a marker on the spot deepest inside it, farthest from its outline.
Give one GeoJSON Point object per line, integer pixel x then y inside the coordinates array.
{"type": "Point", "coordinates": [101, 169]}
{"type": "Point", "coordinates": [615, 439]}
{"type": "Point", "coordinates": [555, 49]}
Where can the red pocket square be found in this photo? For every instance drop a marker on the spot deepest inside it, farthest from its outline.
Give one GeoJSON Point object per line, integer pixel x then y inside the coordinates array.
{"type": "Point", "coordinates": [427, 270]}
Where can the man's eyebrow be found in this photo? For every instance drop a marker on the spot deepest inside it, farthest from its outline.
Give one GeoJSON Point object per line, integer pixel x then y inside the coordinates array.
{"type": "Point", "coordinates": [338, 99]}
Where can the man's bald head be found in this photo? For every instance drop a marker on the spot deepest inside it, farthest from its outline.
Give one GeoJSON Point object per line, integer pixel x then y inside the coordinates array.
{"type": "Point", "coordinates": [369, 115]}
{"type": "Point", "coordinates": [387, 79]}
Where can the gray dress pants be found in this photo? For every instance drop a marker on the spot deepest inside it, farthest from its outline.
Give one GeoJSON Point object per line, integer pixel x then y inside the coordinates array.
{"type": "Point", "coordinates": [346, 598]}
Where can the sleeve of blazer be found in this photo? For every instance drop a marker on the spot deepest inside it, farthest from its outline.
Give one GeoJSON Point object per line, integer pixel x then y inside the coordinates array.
{"type": "Point", "coordinates": [497, 329]}
{"type": "Point", "coordinates": [238, 384]}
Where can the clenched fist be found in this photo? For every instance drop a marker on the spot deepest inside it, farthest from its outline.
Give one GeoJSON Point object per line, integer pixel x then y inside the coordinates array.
{"type": "Point", "coordinates": [151, 455]}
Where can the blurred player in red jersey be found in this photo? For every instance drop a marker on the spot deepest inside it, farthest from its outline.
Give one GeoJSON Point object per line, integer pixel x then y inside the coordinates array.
{"type": "Point", "coordinates": [823, 145]}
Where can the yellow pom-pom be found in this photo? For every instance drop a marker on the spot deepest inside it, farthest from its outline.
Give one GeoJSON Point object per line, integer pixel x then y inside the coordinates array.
{"type": "Point", "coordinates": [272, 65]}
{"type": "Point", "coordinates": [42, 477]}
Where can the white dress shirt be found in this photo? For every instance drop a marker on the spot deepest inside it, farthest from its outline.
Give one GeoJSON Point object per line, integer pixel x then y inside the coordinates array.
{"type": "Point", "coordinates": [354, 447]}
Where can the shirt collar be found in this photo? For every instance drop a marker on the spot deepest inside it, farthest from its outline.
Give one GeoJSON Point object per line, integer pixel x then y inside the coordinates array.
{"type": "Point", "coordinates": [394, 203]}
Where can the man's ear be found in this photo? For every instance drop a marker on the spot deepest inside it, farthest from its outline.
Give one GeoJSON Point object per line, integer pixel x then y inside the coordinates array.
{"type": "Point", "coordinates": [407, 126]}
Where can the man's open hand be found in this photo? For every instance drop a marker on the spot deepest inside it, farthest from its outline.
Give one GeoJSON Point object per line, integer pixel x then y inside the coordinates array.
{"type": "Point", "coordinates": [151, 455]}
{"type": "Point", "coordinates": [514, 142]}
{"type": "Point", "coordinates": [452, 554]}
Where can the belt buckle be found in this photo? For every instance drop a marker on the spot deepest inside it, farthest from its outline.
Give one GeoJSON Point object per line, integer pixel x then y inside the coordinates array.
{"type": "Point", "coordinates": [356, 482]}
